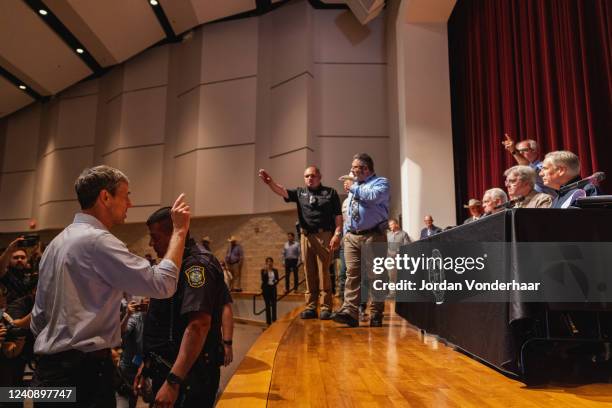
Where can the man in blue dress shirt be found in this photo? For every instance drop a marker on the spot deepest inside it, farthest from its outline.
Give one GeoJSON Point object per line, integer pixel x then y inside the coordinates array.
{"type": "Point", "coordinates": [368, 212]}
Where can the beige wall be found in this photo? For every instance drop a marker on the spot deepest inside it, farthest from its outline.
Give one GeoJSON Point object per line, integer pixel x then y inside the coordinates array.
{"type": "Point", "coordinates": [293, 87]}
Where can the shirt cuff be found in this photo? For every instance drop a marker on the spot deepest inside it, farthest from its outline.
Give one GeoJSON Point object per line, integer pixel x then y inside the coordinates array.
{"type": "Point", "coordinates": [167, 266]}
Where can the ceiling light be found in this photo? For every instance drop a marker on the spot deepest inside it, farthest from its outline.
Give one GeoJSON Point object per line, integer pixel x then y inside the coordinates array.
{"type": "Point", "coordinates": [42, 12]}
{"type": "Point", "coordinates": [22, 87]}
{"type": "Point", "coordinates": [153, 2]}
{"type": "Point", "coordinates": [80, 50]}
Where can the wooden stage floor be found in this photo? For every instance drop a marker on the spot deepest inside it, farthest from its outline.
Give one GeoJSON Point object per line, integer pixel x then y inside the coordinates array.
{"type": "Point", "coordinates": [321, 364]}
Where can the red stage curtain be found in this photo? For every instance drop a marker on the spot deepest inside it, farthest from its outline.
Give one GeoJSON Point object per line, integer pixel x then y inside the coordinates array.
{"type": "Point", "coordinates": [538, 69]}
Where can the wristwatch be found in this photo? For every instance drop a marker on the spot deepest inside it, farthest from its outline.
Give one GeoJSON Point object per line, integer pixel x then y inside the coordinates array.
{"type": "Point", "coordinates": [227, 342]}
{"type": "Point", "coordinates": [174, 379]}
{"type": "Point", "coordinates": [338, 234]}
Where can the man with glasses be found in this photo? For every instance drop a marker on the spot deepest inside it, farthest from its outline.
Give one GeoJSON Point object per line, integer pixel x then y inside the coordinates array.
{"type": "Point", "coordinates": [526, 153]}
{"type": "Point", "coordinates": [368, 212]}
{"type": "Point", "coordinates": [320, 218]}
{"type": "Point", "coordinates": [520, 182]}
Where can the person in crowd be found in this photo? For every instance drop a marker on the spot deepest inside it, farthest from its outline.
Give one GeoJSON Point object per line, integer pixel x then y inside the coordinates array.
{"type": "Point", "coordinates": [520, 183]}
{"type": "Point", "coordinates": [291, 259]}
{"type": "Point", "coordinates": [15, 340]}
{"type": "Point", "coordinates": [206, 242]}
{"type": "Point", "coordinates": [476, 210]}
{"type": "Point", "coordinates": [227, 274]}
{"type": "Point", "coordinates": [14, 270]}
{"type": "Point", "coordinates": [430, 229]}
{"type": "Point", "coordinates": [368, 214]}
{"type": "Point", "coordinates": [396, 238]}
{"type": "Point", "coordinates": [269, 279]}
{"type": "Point", "coordinates": [492, 199]}
{"type": "Point", "coordinates": [320, 221]}
{"type": "Point", "coordinates": [132, 326]}
{"type": "Point", "coordinates": [83, 274]}
{"type": "Point", "coordinates": [234, 259]}
{"type": "Point", "coordinates": [527, 153]}
{"type": "Point", "coordinates": [182, 338]}
{"type": "Point", "coordinates": [559, 169]}
{"type": "Point", "coordinates": [149, 258]}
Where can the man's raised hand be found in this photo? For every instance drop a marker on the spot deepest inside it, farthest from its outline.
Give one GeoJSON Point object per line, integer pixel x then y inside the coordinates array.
{"type": "Point", "coordinates": [180, 213]}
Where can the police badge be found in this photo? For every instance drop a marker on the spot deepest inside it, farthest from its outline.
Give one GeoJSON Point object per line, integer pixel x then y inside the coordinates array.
{"type": "Point", "coordinates": [195, 276]}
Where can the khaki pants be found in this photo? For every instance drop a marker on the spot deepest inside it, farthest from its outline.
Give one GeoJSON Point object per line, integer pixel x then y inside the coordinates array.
{"type": "Point", "coordinates": [235, 269]}
{"type": "Point", "coordinates": [354, 255]}
{"type": "Point", "coordinates": [317, 256]}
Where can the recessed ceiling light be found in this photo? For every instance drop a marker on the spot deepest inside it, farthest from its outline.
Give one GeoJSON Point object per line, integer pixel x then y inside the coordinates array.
{"type": "Point", "coordinates": [42, 12]}
{"type": "Point", "coordinates": [153, 2]}
{"type": "Point", "coordinates": [79, 50]}
{"type": "Point", "coordinates": [22, 87]}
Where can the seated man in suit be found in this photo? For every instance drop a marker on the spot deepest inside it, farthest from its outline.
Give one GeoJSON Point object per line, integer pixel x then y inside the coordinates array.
{"type": "Point", "coordinates": [520, 182]}
{"type": "Point", "coordinates": [559, 169]}
{"type": "Point", "coordinates": [493, 198]}
{"type": "Point", "coordinates": [430, 229]}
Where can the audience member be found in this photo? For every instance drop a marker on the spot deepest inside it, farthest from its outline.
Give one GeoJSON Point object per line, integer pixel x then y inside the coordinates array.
{"type": "Point", "coordinates": [269, 279]}
{"type": "Point", "coordinates": [227, 274]}
{"type": "Point", "coordinates": [320, 221]}
{"type": "Point", "coordinates": [149, 258]}
{"type": "Point", "coordinates": [430, 229]}
{"type": "Point", "coordinates": [368, 214]}
{"type": "Point", "coordinates": [206, 242]}
{"type": "Point", "coordinates": [291, 258]}
{"type": "Point", "coordinates": [561, 168]}
{"type": "Point", "coordinates": [14, 271]}
{"type": "Point", "coordinates": [520, 183]}
{"type": "Point", "coordinates": [476, 210]}
{"type": "Point", "coordinates": [132, 326]}
{"type": "Point", "coordinates": [492, 199]}
{"type": "Point", "coordinates": [396, 238]}
{"type": "Point", "coordinates": [234, 259]}
{"type": "Point", "coordinates": [526, 153]}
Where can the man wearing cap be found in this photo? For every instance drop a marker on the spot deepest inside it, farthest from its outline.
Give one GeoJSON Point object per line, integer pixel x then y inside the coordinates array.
{"type": "Point", "coordinates": [320, 220]}
{"type": "Point", "coordinates": [234, 259]}
{"type": "Point", "coordinates": [476, 211]}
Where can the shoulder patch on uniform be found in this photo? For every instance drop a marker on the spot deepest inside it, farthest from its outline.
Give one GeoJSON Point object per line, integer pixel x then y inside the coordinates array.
{"type": "Point", "coordinates": [195, 276]}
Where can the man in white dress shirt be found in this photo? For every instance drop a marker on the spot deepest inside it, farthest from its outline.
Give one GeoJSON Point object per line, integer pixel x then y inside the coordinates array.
{"type": "Point", "coordinates": [83, 274]}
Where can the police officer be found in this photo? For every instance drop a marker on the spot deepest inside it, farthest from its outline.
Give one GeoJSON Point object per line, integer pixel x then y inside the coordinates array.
{"type": "Point", "coordinates": [183, 345]}
{"type": "Point", "coordinates": [320, 218]}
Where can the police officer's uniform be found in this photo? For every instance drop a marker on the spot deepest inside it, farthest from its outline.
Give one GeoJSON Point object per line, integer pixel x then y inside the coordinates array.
{"type": "Point", "coordinates": [317, 211]}
{"type": "Point", "coordinates": [200, 288]}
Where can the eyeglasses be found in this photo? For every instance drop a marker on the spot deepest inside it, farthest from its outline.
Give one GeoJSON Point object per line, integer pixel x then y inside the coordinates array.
{"type": "Point", "coordinates": [358, 167]}
{"type": "Point", "coordinates": [524, 150]}
{"type": "Point", "coordinates": [511, 181]}
{"type": "Point", "coordinates": [310, 175]}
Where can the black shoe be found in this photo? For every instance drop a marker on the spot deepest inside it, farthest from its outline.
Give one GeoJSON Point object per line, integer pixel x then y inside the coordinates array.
{"type": "Point", "coordinates": [325, 315]}
{"type": "Point", "coordinates": [308, 314]}
{"type": "Point", "coordinates": [238, 290]}
{"type": "Point", "coordinates": [376, 321]}
{"type": "Point", "coordinates": [345, 318]}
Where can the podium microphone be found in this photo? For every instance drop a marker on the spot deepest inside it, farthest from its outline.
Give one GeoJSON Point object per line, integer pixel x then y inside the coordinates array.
{"type": "Point", "coordinates": [510, 204]}
{"type": "Point", "coordinates": [594, 178]}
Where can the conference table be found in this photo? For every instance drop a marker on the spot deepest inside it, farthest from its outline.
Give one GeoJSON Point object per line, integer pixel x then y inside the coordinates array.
{"type": "Point", "coordinates": [496, 332]}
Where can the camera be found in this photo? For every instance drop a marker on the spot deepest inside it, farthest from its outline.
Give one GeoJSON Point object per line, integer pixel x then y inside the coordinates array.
{"type": "Point", "coordinates": [13, 333]}
{"type": "Point", "coordinates": [29, 240]}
